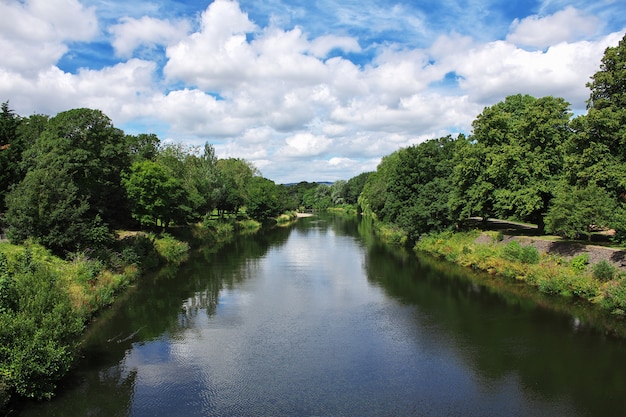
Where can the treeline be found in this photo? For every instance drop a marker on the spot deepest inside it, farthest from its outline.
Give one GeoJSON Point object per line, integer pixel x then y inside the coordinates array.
{"type": "Point", "coordinates": [73, 185]}
{"type": "Point", "coordinates": [70, 180]}
{"type": "Point", "coordinates": [528, 159]}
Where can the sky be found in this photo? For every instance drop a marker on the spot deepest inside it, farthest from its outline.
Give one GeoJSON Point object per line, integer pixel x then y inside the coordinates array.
{"type": "Point", "coordinates": [304, 90]}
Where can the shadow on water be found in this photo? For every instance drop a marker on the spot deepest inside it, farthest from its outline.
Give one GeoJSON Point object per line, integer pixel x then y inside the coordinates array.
{"type": "Point", "coordinates": [501, 332]}
{"type": "Point", "coordinates": [506, 330]}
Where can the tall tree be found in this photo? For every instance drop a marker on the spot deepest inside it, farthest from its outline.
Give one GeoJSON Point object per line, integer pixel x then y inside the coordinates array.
{"type": "Point", "coordinates": [85, 144]}
{"type": "Point", "coordinates": [11, 149]}
{"type": "Point", "coordinates": [516, 160]}
{"type": "Point", "coordinates": [157, 197]}
{"type": "Point", "coordinates": [597, 151]}
{"type": "Point", "coordinates": [48, 206]}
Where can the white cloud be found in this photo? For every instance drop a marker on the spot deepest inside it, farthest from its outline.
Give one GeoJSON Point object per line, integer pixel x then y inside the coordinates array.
{"type": "Point", "coordinates": [491, 71]}
{"type": "Point", "coordinates": [567, 25]}
{"type": "Point", "coordinates": [217, 56]}
{"type": "Point", "coordinates": [304, 145]}
{"type": "Point", "coordinates": [132, 33]}
{"type": "Point", "coordinates": [33, 34]}
{"type": "Point", "coordinates": [270, 93]}
{"type": "Point", "coordinates": [322, 46]}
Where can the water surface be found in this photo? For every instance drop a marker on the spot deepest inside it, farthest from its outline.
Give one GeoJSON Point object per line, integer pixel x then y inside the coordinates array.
{"type": "Point", "coordinates": [320, 320]}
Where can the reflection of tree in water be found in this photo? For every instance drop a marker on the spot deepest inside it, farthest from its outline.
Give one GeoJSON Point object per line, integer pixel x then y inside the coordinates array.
{"type": "Point", "coordinates": [96, 394]}
{"type": "Point", "coordinates": [505, 334]}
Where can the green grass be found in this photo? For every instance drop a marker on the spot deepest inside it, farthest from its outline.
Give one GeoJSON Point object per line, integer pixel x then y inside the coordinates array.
{"type": "Point", "coordinates": [549, 274]}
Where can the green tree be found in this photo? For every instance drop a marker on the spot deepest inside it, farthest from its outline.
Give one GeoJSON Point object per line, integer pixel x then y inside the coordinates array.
{"type": "Point", "coordinates": [355, 186]}
{"type": "Point", "coordinates": [597, 151]}
{"type": "Point", "coordinates": [580, 210]}
{"type": "Point", "coordinates": [48, 206]}
{"type": "Point", "coordinates": [11, 148]}
{"type": "Point", "coordinates": [157, 197]}
{"type": "Point", "coordinates": [264, 199]}
{"type": "Point", "coordinates": [338, 192]}
{"type": "Point", "coordinates": [234, 177]}
{"type": "Point", "coordinates": [516, 160]}
{"type": "Point", "coordinates": [84, 144]}
{"type": "Point", "coordinates": [374, 194]}
{"type": "Point", "coordinates": [419, 188]}
{"type": "Point", "coordinates": [144, 146]}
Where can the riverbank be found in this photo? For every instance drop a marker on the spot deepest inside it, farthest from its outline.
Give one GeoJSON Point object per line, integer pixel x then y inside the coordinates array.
{"type": "Point", "coordinates": [591, 273]}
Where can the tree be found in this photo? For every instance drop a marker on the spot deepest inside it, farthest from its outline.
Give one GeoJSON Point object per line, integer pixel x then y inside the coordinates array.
{"type": "Point", "coordinates": [596, 153]}
{"type": "Point", "coordinates": [355, 186]}
{"type": "Point", "coordinates": [235, 175]}
{"type": "Point", "coordinates": [338, 192]}
{"type": "Point", "coordinates": [264, 199]}
{"type": "Point", "coordinates": [514, 159]}
{"type": "Point", "coordinates": [48, 206]}
{"type": "Point", "coordinates": [419, 187]}
{"type": "Point", "coordinates": [84, 144]}
{"type": "Point", "coordinates": [157, 197]}
{"type": "Point", "coordinates": [580, 210]}
{"type": "Point", "coordinates": [143, 146]}
{"type": "Point", "coordinates": [10, 152]}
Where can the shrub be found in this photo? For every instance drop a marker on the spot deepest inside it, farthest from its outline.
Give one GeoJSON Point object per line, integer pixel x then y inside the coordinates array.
{"type": "Point", "coordinates": [615, 296]}
{"type": "Point", "coordinates": [512, 250]}
{"type": "Point", "coordinates": [603, 271]}
{"type": "Point", "coordinates": [38, 340]}
{"type": "Point", "coordinates": [580, 262]}
{"type": "Point", "coordinates": [173, 251]}
{"type": "Point", "coordinates": [529, 255]}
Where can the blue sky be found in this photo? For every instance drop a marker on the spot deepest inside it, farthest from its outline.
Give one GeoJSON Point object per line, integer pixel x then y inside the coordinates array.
{"type": "Point", "coordinates": [305, 90]}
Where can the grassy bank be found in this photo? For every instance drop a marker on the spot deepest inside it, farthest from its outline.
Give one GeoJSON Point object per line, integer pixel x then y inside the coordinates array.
{"type": "Point", "coordinates": [46, 301]}
{"type": "Point", "coordinates": [601, 283]}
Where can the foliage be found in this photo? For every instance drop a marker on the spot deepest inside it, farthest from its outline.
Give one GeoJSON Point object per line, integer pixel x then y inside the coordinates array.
{"type": "Point", "coordinates": [411, 188]}
{"type": "Point", "coordinates": [173, 251]}
{"type": "Point", "coordinates": [527, 254]}
{"type": "Point", "coordinates": [11, 148]}
{"type": "Point", "coordinates": [603, 271]}
{"type": "Point", "coordinates": [38, 337]}
{"type": "Point", "coordinates": [578, 210]}
{"type": "Point", "coordinates": [580, 262]}
{"type": "Point", "coordinates": [614, 296]}
{"type": "Point", "coordinates": [597, 150]}
{"type": "Point", "coordinates": [264, 199]}
{"type": "Point", "coordinates": [49, 208]}
{"type": "Point", "coordinates": [509, 166]}
{"type": "Point", "coordinates": [157, 196]}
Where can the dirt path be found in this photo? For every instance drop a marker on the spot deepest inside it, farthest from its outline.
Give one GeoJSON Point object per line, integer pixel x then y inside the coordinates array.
{"type": "Point", "coordinates": [564, 249]}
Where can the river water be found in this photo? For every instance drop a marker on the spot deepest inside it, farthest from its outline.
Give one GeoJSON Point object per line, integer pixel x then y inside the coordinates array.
{"type": "Point", "coordinates": [318, 319]}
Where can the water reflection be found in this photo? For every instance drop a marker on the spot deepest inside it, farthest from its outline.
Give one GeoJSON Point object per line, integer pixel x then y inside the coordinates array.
{"type": "Point", "coordinates": [319, 319]}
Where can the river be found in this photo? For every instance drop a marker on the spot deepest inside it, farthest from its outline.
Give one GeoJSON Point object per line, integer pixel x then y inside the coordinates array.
{"type": "Point", "coordinates": [319, 319]}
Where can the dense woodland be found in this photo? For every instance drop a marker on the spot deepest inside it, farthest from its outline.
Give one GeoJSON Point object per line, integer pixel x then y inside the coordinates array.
{"type": "Point", "coordinates": [70, 183]}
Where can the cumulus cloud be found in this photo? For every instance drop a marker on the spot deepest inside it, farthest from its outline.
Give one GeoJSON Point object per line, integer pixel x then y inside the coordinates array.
{"type": "Point", "coordinates": [33, 34]}
{"type": "Point", "coordinates": [304, 145]}
{"type": "Point", "coordinates": [297, 100]}
{"type": "Point", "coordinates": [131, 33]}
{"type": "Point", "coordinates": [567, 25]}
{"type": "Point", "coordinates": [494, 70]}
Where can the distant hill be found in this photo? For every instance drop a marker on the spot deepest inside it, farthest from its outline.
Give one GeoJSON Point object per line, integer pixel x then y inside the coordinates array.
{"type": "Point", "coordinates": [314, 182]}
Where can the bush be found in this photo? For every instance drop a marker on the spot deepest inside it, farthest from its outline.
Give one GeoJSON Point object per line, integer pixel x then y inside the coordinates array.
{"type": "Point", "coordinates": [173, 251]}
{"type": "Point", "coordinates": [615, 296]}
{"type": "Point", "coordinates": [512, 250]}
{"type": "Point", "coordinates": [529, 255]}
{"type": "Point", "coordinates": [580, 262]}
{"type": "Point", "coordinates": [603, 271]}
{"type": "Point", "coordinates": [39, 338]}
